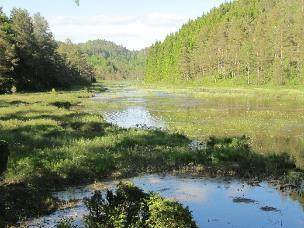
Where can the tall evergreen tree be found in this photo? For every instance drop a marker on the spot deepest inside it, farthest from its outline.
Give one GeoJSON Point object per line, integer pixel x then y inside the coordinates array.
{"type": "Point", "coordinates": [45, 56]}
{"type": "Point", "coordinates": [26, 50]}
{"type": "Point", "coordinates": [76, 62]}
{"type": "Point", "coordinates": [8, 58]}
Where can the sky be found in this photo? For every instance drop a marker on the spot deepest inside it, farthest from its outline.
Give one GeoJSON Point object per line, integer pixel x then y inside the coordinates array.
{"type": "Point", "coordinates": [135, 24]}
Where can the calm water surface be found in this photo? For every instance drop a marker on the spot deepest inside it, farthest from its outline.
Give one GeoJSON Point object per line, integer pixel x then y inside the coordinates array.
{"type": "Point", "coordinates": [214, 203]}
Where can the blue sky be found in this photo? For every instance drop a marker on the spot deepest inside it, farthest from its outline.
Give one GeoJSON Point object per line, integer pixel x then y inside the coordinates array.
{"type": "Point", "coordinates": [134, 24]}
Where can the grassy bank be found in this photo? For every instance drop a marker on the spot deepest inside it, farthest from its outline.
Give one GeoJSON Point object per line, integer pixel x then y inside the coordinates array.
{"type": "Point", "coordinates": [54, 142]}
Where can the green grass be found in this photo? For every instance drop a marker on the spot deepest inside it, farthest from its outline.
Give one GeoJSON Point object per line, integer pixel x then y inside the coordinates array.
{"type": "Point", "coordinates": [54, 141]}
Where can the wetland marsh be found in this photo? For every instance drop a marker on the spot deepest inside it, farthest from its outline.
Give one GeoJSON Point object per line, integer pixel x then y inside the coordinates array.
{"type": "Point", "coordinates": [73, 138]}
{"type": "Point", "coordinates": [272, 119]}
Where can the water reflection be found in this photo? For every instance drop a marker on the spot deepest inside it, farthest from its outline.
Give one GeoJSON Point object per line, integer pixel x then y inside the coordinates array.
{"type": "Point", "coordinates": [135, 116]}
{"type": "Point", "coordinates": [214, 203]}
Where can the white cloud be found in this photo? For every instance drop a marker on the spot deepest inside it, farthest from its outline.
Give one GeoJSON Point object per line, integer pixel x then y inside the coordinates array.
{"type": "Point", "coordinates": [130, 31]}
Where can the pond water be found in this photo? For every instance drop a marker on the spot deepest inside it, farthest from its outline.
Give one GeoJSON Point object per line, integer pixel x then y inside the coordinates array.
{"type": "Point", "coordinates": [134, 116]}
{"type": "Point", "coordinates": [273, 121]}
{"type": "Point", "coordinates": [213, 202]}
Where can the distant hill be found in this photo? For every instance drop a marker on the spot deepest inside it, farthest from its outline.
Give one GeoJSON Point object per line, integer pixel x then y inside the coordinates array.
{"type": "Point", "coordinates": [113, 61]}
{"type": "Point", "coordinates": [242, 42]}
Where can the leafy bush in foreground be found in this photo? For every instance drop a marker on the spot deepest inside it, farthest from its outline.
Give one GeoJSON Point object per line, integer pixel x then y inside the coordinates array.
{"type": "Point", "coordinates": [129, 206]}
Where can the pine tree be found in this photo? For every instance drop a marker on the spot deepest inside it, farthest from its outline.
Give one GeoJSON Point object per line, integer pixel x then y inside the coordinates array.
{"type": "Point", "coordinates": [45, 46]}
{"type": "Point", "coordinates": [24, 39]}
{"type": "Point", "coordinates": [76, 62]}
{"type": "Point", "coordinates": [248, 41]}
{"type": "Point", "coordinates": [8, 58]}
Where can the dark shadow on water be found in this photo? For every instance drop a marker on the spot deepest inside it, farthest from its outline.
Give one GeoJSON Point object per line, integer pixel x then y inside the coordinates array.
{"type": "Point", "coordinates": [243, 200]}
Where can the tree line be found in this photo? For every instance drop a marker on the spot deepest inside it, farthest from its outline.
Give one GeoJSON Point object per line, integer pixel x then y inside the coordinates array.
{"type": "Point", "coordinates": [246, 41]}
{"type": "Point", "coordinates": [32, 60]}
{"type": "Point", "coordinates": [113, 61]}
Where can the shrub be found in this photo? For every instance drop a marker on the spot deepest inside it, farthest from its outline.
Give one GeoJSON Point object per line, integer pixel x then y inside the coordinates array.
{"type": "Point", "coordinates": [6, 84]}
{"type": "Point", "coordinates": [61, 104]}
{"type": "Point", "coordinates": [129, 206]}
{"type": "Point", "coordinates": [167, 213]}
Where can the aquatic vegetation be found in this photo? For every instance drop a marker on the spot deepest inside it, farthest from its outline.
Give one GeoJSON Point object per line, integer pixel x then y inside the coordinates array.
{"type": "Point", "coordinates": [271, 116]}
{"type": "Point", "coordinates": [129, 206]}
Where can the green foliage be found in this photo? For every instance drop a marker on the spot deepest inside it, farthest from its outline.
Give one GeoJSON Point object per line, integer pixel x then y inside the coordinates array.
{"type": "Point", "coordinates": [79, 70]}
{"type": "Point", "coordinates": [167, 213]}
{"type": "Point", "coordinates": [30, 59]}
{"type": "Point", "coordinates": [6, 84]}
{"type": "Point", "coordinates": [8, 57]}
{"type": "Point", "coordinates": [234, 153]}
{"type": "Point", "coordinates": [114, 62]}
{"type": "Point", "coordinates": [245, 42]}
{"type": "Point", "coordinates": [64, 104]}
{"type": "Point", "coordinates": [129, 206]}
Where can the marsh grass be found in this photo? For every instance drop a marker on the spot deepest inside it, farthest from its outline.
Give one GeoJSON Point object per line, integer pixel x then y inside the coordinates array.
{"type": "Point", "coordinates": [272, 117]}
{"type": "Point", "coordinates": [52, 146]}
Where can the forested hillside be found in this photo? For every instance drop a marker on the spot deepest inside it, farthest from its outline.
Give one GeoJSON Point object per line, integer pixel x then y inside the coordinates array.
{"type": "Point", "coordinates": [243, 42]}
{"type": "Point", "coordinates": [30, 59]}
{"type": "Point", "coordinates": [113, 61]}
